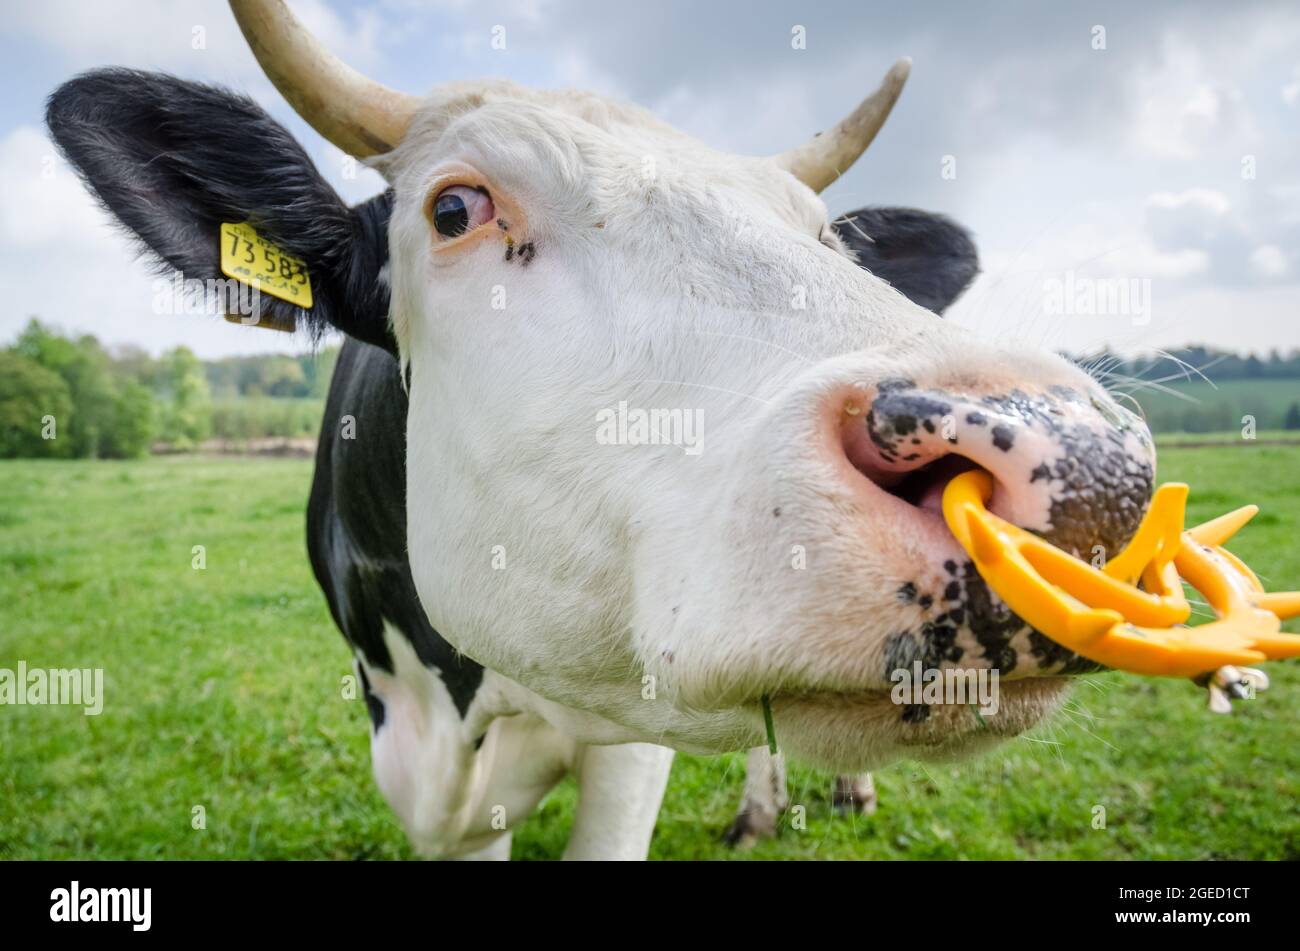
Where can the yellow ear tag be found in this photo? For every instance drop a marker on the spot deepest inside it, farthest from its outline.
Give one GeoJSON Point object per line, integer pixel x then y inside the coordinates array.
{"type": "Point", "coordinates": [250, 259]}
{"type": "Point", "coordinates": [1103, 614]}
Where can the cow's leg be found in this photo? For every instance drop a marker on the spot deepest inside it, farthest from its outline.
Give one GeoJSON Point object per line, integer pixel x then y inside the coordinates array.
{"type": "Point", "coordinates": [456, 790]}
{"type": "Point", "coordinates": [418, 750]}
{"type": "Point", "coordinates": [459, 786]}
{"type": "Point", "coordinates": [620, 789]}
{"type": "Point", "coordinates": [855, 794]}
{"type": "Point", "coordinates": [764, 800]}
{"type": "Point", "coordinates": [498, 851]}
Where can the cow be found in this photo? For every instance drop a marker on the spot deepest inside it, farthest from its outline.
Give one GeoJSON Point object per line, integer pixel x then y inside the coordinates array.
{"type": "Point", "coordinates": [526, 598]}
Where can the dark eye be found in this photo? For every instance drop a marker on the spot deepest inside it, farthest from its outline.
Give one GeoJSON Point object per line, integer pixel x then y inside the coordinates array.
{"type": "Point", "coordinates": [459, 209]}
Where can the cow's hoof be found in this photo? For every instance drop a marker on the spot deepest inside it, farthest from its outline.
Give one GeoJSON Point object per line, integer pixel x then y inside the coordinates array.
{"type": "Point", "coordinates": [748, 827]}
{"type": "Point", "coordinates": [855, 795]}
{"type": "Point", "coordinates": [854, 807]}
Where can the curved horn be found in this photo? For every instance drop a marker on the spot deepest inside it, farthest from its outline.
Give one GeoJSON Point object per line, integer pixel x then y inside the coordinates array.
{"type": "Point", "coordinates": [359, 115]}
{"type": "Point", "coordinates": [827, 156]}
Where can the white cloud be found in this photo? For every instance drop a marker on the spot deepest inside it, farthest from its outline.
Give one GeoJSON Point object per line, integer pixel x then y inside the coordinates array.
{"type": "Point", "coordinates": [577, 71]}
{"type": "Point", "coordinates": [1008, 307]}
{"type": "Point", "coordinates": [1204, 104]}
{"type": "Point", "coordinates": [44, 203]}
{"type": "Point", "coordinates": [1201, 199]}
{"type": "Point", "coordinates": [352, 179]}
{"type": "Point", "coordinates": [193, 37]}
{"type": "Point", "coordinates": [358, 42]}
{"type": "Point", "coordinates": [1108, 245]}
{"type": "Point", "coordinates": [1268, 260]}
{"type": "Point", "coordinates": [1242, 240]}
{"type": "Point", "coordinates": [1191, 225]}
{"type": "Point", "coordinates": [115, 30]}
{"type": "Point", "coordinates": [788, 115]}
{"type": "Point", "coordinates": [1180, 114]}
{"type": "Point", "coordinates": [1291, 91]}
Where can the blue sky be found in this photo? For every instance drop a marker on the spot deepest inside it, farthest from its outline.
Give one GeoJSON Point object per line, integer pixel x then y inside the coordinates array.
{"type": "Point", "coordinates": [1073, 163]}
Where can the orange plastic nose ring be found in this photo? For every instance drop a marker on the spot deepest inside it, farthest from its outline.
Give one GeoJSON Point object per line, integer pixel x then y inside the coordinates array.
{"type": "Point", "coordinates": [1131, 613]}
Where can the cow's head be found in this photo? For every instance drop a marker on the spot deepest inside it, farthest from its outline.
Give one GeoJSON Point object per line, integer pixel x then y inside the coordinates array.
{"type": "Point", "coordinates": [670, 449]}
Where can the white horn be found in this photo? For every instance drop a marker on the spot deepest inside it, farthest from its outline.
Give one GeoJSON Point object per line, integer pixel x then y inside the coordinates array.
{"type": "Point", "coordinates": [826, 157]}
{"type": "Point", "coordinates": [359, 115]}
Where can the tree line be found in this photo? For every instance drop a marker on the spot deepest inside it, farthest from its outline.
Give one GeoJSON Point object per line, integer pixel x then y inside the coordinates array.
{"type": "Point", "coordinates": [1188, 362]}
{"type": "Point", "coordinates": [71, 397]}
{"type": "Point", "coordinates": [1203, 390]}
{"type": "Point", "coordinates": [67, 396]}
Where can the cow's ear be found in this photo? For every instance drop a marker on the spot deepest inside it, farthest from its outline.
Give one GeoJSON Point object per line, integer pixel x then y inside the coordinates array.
{"type": "Point", "coordinates": [174, 160]}
{"type": "Point", "coordinates": [928, 257]}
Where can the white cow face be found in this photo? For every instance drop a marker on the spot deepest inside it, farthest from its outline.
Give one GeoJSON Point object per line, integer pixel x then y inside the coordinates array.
{"type": "Point", "coordinates": [671, 450]}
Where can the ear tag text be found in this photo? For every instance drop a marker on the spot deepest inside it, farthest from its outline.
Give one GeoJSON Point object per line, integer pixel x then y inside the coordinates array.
{"type": "Point", "coordinates": [249, 258]}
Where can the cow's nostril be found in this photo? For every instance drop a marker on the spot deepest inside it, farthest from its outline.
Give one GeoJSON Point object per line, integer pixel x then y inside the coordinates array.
{"type": "Point", "coordinates": [1060, 467]}
{"type": "Point", "coordinates": [882, 464]}
{"type": "Point", "coordinates": [911, 443]}
{"type": "Point", "coordinates": [916, 473]}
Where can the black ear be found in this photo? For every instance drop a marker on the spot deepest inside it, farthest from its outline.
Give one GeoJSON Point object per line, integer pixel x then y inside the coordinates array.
{"type": "Point", "coordinates": [172, 160]}
{"type": "Point", "coordinates": [929, 258]}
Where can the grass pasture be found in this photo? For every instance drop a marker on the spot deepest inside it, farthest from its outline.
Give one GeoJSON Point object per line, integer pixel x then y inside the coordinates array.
{"type": "Point", "coordinates": [223, 691]}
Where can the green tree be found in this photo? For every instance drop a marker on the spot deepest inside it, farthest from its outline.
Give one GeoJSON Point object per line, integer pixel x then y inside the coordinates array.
{"type": "Point", "coordinates": [135, 422]}
{"type": "Point", "coordinates": [134, 363]}
{"type": "Point", "coordinates": [34, 403]}
{"type": "Point", "coordinates": [46, 346]}
{"type": "Point", "coordinates": [1293, 417]}
{"type": "Point", "coordinates": [188, 416]}
{"type": "Point", "coordinates": [93, 397]}
{"type": "Point", "coordinates": [283, 377]}
{"type": "Point", "coordinates": [84, 366]}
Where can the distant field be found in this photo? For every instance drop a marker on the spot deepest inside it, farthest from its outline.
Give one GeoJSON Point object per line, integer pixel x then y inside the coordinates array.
{"type": "Point", "coordinates": [1202, 408]}
{"type": "Point", "coordinates": [223, 691]}
{"type": "Point", "coordinates": [1232, 440]}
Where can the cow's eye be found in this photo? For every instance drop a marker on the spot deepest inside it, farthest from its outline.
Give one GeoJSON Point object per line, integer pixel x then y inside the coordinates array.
{"type": "Point", "coordinates": [459, 209]}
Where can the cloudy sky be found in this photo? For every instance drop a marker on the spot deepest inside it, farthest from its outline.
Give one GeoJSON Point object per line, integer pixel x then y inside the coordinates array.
{"type": "Point", "coordinates": [1143, 156]}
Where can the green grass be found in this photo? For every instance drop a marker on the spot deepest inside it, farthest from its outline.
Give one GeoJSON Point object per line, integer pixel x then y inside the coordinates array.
{"type": "Point", "coordinates": [223, 690]}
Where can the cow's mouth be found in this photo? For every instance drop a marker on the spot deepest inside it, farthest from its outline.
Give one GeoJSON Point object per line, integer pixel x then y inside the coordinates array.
{"type": "Point", "coordinates": [830, 728]}
{"type": "Point", "coordinates": [923, 487]}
